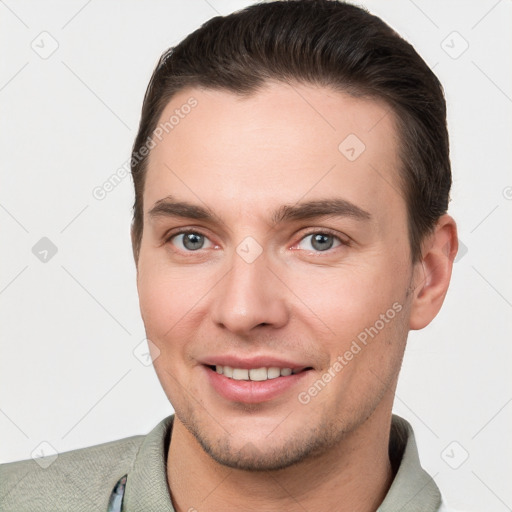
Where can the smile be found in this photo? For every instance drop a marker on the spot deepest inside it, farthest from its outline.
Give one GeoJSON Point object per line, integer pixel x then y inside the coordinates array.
{"type": "Point", "coordinates": [255, 374]}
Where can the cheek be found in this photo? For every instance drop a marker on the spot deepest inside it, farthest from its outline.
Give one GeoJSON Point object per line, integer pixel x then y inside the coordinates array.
{"type": "Point", "coordinates": [169, 306]}
{"type": "Point", "coordinates": [167, 296]}
{"type": "Point", "coordinates": [349, 299]}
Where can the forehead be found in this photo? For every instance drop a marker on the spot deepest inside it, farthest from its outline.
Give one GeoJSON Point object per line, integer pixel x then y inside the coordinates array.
{"type": "Point", "coordinates": [279, 145]}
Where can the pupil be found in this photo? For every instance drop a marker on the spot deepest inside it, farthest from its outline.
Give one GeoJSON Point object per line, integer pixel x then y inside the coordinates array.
{"type": "Point", "coordinates": [322, 242]}
{"type": "Point", "coordinates": [193, 241]}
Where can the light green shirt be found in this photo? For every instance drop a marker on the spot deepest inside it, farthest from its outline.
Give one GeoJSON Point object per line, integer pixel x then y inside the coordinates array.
{"type": "Point", "coordinates": [83, 480]}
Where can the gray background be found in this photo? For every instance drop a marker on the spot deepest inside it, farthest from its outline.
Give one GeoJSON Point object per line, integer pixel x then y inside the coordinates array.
{"type": "Point", "coordinates": [72, 366]}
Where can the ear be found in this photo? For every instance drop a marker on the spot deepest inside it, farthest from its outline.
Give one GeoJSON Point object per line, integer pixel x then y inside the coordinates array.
{"type": "Point", "coordinates": [433, 272]}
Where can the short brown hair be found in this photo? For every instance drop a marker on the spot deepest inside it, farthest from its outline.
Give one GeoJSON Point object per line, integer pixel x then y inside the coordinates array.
{"type": "Point", "coordinates": [319, 42]}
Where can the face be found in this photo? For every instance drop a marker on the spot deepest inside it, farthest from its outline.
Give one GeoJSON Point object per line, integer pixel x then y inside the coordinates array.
{"type": "Point", "coordinates": [275, 240]}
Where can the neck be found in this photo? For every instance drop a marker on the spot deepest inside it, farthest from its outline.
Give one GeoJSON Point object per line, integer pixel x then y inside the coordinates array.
{"type": "Point", "coordinates": [354, 475]}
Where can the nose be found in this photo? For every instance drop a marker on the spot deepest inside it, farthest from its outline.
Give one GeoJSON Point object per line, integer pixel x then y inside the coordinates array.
{"type": "Point", "coordinates": [250, 295]}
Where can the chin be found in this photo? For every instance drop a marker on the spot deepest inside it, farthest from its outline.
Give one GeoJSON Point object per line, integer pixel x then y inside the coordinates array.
{"type": "Point", "coordinates": [251, 457]}
{"type": "Point", "coordinates": [255, 451]}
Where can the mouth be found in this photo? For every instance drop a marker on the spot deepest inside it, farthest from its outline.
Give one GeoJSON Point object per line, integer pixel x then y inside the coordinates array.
{"type": "Point", "coordinates": [256, 374]}
{"type": "Point", "coordinates": [256, 385]}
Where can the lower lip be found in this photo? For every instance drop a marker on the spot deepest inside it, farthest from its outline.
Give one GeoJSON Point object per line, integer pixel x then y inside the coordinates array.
{"type": "Point", "coordinates": [250, 391]}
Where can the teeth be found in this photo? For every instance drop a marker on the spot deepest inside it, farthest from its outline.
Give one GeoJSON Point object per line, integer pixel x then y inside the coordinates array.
{"type": "Point", "coordinates": [240, 374]}
{"type": "Point", "coordinates": [273, 372]}
{"type": "Point", "coordinates": [256, 374]}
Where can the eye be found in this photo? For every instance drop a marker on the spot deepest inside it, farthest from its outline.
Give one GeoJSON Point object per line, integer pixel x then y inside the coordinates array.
{"type": "Point", "coordinates": [190, 241]}
{"type": "Point", "coordinates": [320, 242]}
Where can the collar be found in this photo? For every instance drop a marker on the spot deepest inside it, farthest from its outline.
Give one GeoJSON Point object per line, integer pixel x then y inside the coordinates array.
{"type": "Point", "coordinates": [146, 484]}
{"type": "Point", "coordinates": [412, 490]}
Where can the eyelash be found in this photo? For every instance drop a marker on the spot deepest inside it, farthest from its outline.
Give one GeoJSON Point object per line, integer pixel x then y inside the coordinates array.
{"type": "Point", "coordinates": [323, 231]}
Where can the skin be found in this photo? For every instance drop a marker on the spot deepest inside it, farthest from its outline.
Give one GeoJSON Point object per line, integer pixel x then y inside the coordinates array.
{"type": "Point", "coordinates": [243, 158]}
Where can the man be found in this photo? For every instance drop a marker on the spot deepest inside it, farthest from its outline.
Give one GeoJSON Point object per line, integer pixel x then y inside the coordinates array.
{"type": "Point", "coordinates": [292, 179]}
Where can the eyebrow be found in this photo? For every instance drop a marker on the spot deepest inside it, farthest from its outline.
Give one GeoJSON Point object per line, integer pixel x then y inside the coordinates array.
{"type": "Point", "coordinates": [322, 208]}
{"type": "Point", "coordinates": [336, 207]}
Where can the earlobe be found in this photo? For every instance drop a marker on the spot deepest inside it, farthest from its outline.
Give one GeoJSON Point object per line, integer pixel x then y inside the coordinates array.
{"type": "Point", "coordinates": [432, 274]}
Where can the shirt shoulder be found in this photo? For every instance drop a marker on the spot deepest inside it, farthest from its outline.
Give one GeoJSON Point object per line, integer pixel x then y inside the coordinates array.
{"type": "Point", "coordinates": [76, 480]}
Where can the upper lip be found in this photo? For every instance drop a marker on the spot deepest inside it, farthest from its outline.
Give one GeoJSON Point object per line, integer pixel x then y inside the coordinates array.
{"type": "Point", "coordinates": [253, 362]}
